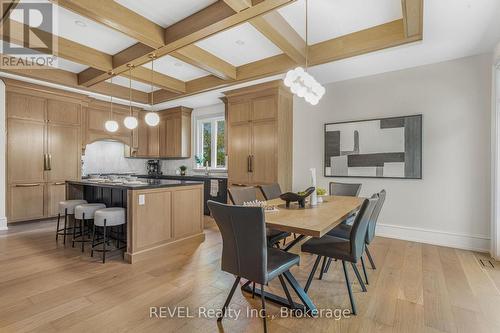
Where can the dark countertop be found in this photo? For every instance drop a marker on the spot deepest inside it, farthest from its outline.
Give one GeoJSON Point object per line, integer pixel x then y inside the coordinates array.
{"type": "Point", "coordinates": [188, 177]}
{"type": "Point", "coordinates": [151, 183]}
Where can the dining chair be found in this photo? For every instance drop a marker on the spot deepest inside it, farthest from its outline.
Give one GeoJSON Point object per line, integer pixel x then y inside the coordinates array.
{"type": "Point", "coordinates": [245, 253]}
{"type": "Point", "coordinates": [344, 231]}
{"type": "Point", "coordinates": [270, 191]}
{"type": "Point", "coordinates": [347, 250]}
{"type": "Point", "coordinates": [239, 195]}
{"type": "Point", "coordinates": [345, 189]}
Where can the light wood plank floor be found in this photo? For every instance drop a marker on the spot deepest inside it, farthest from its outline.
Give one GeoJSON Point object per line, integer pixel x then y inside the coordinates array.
{"type": "Point", "coordinates": [45, 287]}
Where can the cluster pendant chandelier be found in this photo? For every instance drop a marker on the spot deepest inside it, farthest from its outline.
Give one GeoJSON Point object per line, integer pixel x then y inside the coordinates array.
{"type": "Point", "coordinates": [111, 125]}
{"type": "Point", "coordinates": [152, 118]}
{"type": "Point", "coordinates": [300, 82]}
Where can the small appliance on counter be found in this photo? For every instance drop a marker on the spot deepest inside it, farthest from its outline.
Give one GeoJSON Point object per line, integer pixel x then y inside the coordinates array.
{"type": "Point", "coordinates": [154, 168]}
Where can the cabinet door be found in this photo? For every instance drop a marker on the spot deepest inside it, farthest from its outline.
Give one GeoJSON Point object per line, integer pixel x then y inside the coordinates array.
{"type": "Point", "coordinates": [264, 108]}
{"type": "Point", "coordinates": [154, 140]}
{"type": "Point", "coordinates": [187, 212]}
{"type": "Point", "coordinates": [64, 152]}
{"type": "Point", "coordinates": [63, 112]}
{"type": "Point", "coordinates": [26, 201]}
{"type": "Point", "coordinates": [25, 107]}
{"type": "Point", "coordinates": [238, 153]}
{"type": "Point", "coordinates": [25, 151]}
{"type": "Point", "coordinates": [56, 192]}
{"type": "Point", "coordinates": [239, 112]}
{"type": "Point", "coordinates": [142, 137]}
{"type": "Point", "coordinates": [264, 159]}
{"type": "Point", "coordinates": [173, 137]}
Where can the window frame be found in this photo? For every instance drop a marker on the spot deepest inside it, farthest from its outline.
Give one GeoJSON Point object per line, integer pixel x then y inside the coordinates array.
{"type": "Point", "coordinates": [200, 121]}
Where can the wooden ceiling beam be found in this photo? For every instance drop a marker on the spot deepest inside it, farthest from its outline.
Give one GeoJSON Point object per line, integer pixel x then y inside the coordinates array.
{"type": "Point", "coordinates": [413, 12]}
{"type": "Point", "coordinates": [200, 58]}
{"type": "Point", "coordinates": [238, 5]}
{"type": "Point", "coordinates": [6, 8]}
{"type": "Point", "coordinates": [203, 24]}
{"type": "Point", "coordinates": [118, 17]}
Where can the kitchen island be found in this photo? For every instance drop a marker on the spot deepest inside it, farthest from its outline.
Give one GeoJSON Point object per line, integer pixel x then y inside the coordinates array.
{"type": "Point", "coordinates": [160, 213]}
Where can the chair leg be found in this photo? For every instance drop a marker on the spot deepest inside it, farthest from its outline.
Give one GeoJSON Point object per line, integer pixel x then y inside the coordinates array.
{"type": "Point", "coordinates": [364, 269]}
{"type": "Point", "coordinates": [370, 257]}
{"type": "Point", "coordinates": [57, 228]}
{"type": "Point", "coordinates": [311, 275]}
{"type": "Point", "coordinates": [74, 233]}
{"type": "Point", "coordinates": [228, 299]}
{"type": "Point", "coordinates": [65, 225]}
{"type": "Point", "coordinates": [355, 268]}
{"type": "Point", "coordinates": [322, 268]}
{"type": "Point", "coordinates": [253, 290]}
{"type": "Point", "coordinates": [348, 283]}
{"type": "Point", "coordinates": [93, 241]}
{"type": "Point", "coordinates": [104, 243]}
{"type": "Point", "coordinates": [83, 231]}
{"type": "Point", "coordinates": [287, 293]}
{"type": "Point", "coordinates": [328, 265]}
{"type": "Point", "coordinates": [263, 299]}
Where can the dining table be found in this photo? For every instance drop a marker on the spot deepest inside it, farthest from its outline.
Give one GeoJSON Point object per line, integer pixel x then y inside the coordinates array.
{"type": "Point", "coordinates": [309, 221]}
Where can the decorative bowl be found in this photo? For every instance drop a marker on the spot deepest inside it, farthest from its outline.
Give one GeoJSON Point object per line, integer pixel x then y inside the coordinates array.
{"type": "Point", "coordinates": [297, 197]}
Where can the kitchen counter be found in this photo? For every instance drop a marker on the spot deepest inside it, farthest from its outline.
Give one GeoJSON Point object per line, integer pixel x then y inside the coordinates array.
{"type": "Point", "coordinates": [149, 183]}
{"type": "Point", "coordinates": [187, 177]}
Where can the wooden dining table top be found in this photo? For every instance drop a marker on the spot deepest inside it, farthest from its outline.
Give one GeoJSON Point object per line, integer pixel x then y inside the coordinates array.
{"type": "Point", "coordinates": [312, 221]}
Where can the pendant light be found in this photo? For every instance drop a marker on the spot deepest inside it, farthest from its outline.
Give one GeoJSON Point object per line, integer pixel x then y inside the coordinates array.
{"type": "Point", "coordinates": [152, 118]}
{"type": "Point", "coordinates": [111, 125]}
{"type": "Point", "coordinates": [130, 121]}
{"type": "Point", "coordinates": [300, 82]}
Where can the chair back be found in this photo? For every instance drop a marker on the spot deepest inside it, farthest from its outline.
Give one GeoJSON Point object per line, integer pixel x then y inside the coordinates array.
{"type": "Point", "coordinates": [244, 247]}
{"type": "Point", "coordinates": [239, 194]}
{"type": "Point", "coordinates": [345, 189]}
{"type": "Point", "coordinates": [360, 226]}
{"type": "Point", "coordinates": [373, 220]}
{"type": "Point", "coordinates": [271, 191]}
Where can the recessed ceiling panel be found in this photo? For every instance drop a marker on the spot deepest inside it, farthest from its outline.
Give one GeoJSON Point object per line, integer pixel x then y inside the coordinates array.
{"type": "Point", "coordinates": [84, 31]}
{"type": "Point", "coordinates": [240, 45]}
{"type": "Point", "coordinates": [124, 81]}
{"type": "Point", "coordinates": [176, 68]}
{"type": "Point", "coordinates": [334, 18]}
{"type": "Point", "coordinates": [163, 12]}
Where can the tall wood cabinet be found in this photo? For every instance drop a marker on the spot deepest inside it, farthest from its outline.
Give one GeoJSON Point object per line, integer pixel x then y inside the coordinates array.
{"type": "Point", "coordinates": [259, 140]}
{"type": "Point", "coordinates": [43, 150]}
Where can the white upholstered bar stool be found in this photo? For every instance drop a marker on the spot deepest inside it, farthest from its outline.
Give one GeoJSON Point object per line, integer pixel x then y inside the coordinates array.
{"type": "Point", "coordinates": [84, 214]}
{"type": "Point", "coordinates": [107, 218]}
{"type": "Point", "coordinates": [66, 208]}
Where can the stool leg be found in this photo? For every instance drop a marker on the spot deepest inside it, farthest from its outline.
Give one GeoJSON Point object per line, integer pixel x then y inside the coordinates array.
{"type": "Point", "coordinates": [57, 228]}
{"type": "Point", "coordinates": [93, 240]}
{"type": "Point", "coordinates": [74, 233]}
{"type": "Point", "coordinates": [104, 244]}
{"type": "Point", "coordinates": [83, 231]}
{"type": "Point", "coordinates": [65, 224]}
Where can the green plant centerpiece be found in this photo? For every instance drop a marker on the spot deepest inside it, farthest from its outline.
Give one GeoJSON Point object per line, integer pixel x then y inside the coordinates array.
{"type": "Point", "coordinates": [183, 169]}
{"type": "Point", "coordinates": [320, 191]}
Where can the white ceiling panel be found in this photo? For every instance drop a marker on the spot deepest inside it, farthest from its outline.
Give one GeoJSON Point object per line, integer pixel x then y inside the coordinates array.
{"type": "Point", "coordinates": [333, 18]}
{"type": "Point", "coordinates": [163, 12]}
{"type": "Point", "coordinates": [124, 81]}
{"type": "Point", "coordinates": [240, 45]}
{"type": "Point", "coordinates": [176, 68]}
{"type": "Point", "coordinates": [84, 31]}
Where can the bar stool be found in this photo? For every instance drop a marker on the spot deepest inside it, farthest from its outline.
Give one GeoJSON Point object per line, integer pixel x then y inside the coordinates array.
{"type": "Point", "coordinates": [105, 218]}
{"type": "Point", "coordinates": [66, 207]}
{"type": "Point", "coordinates": [85, 213]}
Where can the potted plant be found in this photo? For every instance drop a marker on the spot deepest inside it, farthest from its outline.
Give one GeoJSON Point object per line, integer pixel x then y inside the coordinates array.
{"type": "Point", "coordinates": [183, 169]}
{"type": "Point", "coordinates": [321, 192]}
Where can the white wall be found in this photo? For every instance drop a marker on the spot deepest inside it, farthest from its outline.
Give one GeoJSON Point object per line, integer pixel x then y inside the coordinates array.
{"type": "Point", "coordinates": [3, 219]}
{"type": "Point", "coordinates": [451, 204]}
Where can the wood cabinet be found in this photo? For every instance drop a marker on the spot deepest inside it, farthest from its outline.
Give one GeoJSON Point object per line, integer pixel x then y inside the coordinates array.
{"type": "Point", "coordinates": [260, 121]}
{"type": "Point", "coordinates": [43, 149]}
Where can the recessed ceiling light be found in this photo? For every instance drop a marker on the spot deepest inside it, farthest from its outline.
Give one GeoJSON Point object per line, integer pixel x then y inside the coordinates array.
{"type": "Point", "coordinates": [240, 42]}
{"type": "Point", "coordinates": [177, 64]}
{"type": "Point", "coordinates": [81, 24]}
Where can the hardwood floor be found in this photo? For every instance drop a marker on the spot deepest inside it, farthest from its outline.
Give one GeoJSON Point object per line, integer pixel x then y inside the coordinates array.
{"type": "Point", "coordinates": [45, 287]}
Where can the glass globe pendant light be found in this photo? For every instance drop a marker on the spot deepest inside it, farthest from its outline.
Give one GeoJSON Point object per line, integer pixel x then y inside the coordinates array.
{"type": "Point", "coordinates": [300, 82]}
{"type": "Point", "coordinates": [152, 118]}
{"type": "Point", "coordinates": [111, 125]}
{"type": "Point", "coordinates": [130, 121]}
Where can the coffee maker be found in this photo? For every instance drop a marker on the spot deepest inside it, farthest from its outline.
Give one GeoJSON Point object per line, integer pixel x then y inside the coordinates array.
{"type": "Point", "coordinates": [154, 168]}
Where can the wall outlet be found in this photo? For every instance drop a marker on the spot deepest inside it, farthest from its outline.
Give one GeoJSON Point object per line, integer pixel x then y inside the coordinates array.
{"type": "Point", "coordinates": [142, 199]}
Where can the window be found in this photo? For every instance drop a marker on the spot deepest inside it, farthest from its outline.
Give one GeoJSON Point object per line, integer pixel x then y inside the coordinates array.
{"type": "Point", "coordinates": [210, 142]}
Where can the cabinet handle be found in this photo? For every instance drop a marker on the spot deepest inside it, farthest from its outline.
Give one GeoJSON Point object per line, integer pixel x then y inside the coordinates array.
{"type": "Point", "coordinates": [59, 183]}
{"type": "Point", "coordinates": [50, 162]}
{"type": "Point", "coordinates": [27, 185]}
{"type": "Point", "coordinates": [248, 164]}
{"type": "Point", "coordinates": [45, 162]}
{"type": "Point", "coordinates": [251, 163]}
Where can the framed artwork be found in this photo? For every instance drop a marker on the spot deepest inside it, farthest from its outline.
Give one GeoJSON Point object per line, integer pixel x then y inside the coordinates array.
{"type": "Point", "coordinates": [375, 148]}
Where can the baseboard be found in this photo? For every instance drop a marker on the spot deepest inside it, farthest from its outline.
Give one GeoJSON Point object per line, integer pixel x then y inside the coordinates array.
{"type": "Point", "coordinates": [3, 223]}
{"type": "Point", "coordinates": [466, 242]}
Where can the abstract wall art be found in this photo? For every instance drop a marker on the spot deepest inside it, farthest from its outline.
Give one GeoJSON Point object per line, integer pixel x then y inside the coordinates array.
{"type": "Point", "coordinates": [379, 148]}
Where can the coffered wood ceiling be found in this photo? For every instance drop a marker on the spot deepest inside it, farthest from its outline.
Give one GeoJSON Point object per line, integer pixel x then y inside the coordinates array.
{"type": "Point", "coordinates": [195, 43]}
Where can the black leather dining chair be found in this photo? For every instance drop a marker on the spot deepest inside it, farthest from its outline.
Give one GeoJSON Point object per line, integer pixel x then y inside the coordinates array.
{"type": "Point", "coordinates": [344, 231]}
{"type": "Point", "coordinates": [270, 191]}
{"type": "Point", "coordinates": [347, 250]}
{"type": "Point", "coordinates": [345, 189]}
{"type": "Point", "coordinates": [239, 195]}
{"type": "Point", "coordinates": [245, 253]}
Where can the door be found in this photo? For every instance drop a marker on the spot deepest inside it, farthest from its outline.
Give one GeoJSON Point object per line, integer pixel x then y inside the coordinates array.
{"type": "Point", "coordinates": [142, 137]}
{"type": "Point", "coordinates": [239, 154]}
{"type": "Point", "coordinates": [264, 159]}
{"type": "Point", "coordinates": [26, 201]}
{"type": "Point", "coordinates": [63, 146]}
{"type": "Point", "coordinates": [239, 112]}
{"type": "Point", "coordinates": [264, 108]}
{"type": "Point", "coordinates": [25, 151]}
{"type": "Point", "coordinates": [173, 137]}
{"type": "Point", "coordinates": [56, 191]}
